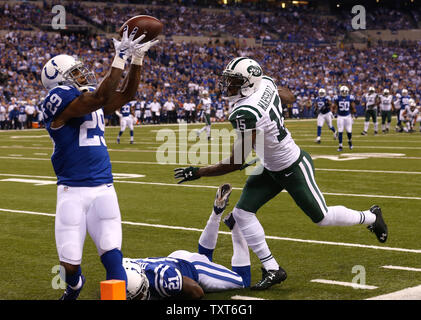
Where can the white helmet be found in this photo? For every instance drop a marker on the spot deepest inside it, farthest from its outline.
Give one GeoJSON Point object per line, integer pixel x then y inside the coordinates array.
{"type": "Point", "coordinates": [243, 75]}
{"type": "Point", "coordinates": [371, 89]}
{"type": "Point", "coordinates": [344, 90]}
{"type": "Point", "coordinates": [60, 70]}
{"type": "Point", "coordinates": [137, 281]}
{"type": "Point", "coordinates": [205, 92]}
{"type": "Point", "coordinates": [322, 92]}
{"type": "Point", "coordinates": [386, 92]}
{"type": "Point", "coordinates": [404, 92]}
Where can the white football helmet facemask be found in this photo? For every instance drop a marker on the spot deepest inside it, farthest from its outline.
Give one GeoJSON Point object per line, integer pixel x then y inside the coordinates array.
{"type": "Point", "coordinates": [240, 78]}
{"type": "Point", "coordinates": [322, 92]}
{"type": "Point", "coordinates": [344, 91]}
{"type": "Point", "coordinates": [67, 70]}
{"type": "Point", "coordinates": [137, 282]}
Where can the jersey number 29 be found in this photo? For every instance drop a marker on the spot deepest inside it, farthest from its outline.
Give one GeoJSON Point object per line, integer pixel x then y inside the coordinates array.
{"type": "Point", "coordinates": [96, 122]}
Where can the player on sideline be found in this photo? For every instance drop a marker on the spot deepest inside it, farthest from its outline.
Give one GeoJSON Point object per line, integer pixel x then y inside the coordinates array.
{"type": "Point", "coordinates": [344, 107]}
{"type": "Point", "coordinates": [324, 114]}
{"type": "Point", "coordinates": [386, 108]}
{"type": "Point", "coordinates": [404, 103]}
{"type": "Point", "coordinates": [126, 120]}
{"type": "Point", "coordinates": [257, 110]}
{"type": "Point", "coordinates": [371, 101]}
{"type": "Point", "coordinates": [205, 106]}
{"type": "Point", "coordinates": [189, 275]}
{"type": "Point", "coordinates": [74, 118]}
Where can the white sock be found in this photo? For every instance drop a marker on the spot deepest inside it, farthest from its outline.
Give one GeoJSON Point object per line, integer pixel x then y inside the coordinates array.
{"type": "Point", "coordinates": [342, 216]}
{"type": "Point", "coordinates": [254, 235]}
{"type": "Point", "coordinates": [241, 254]}
{"type": "Point", "coordinates": [208, 130]}
{"type": "Point", "coordinates": [376, 126]}
{"type": "Point", "coordinates": [366, 124]}
{"type": "Point", "coordinates": [209, 236]}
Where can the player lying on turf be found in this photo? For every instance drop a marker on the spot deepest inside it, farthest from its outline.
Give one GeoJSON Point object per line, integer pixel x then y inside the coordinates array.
{"type": "Point", "coordinates": [189, 275]}
{"type": "Point", "coordinates": [257, 109]}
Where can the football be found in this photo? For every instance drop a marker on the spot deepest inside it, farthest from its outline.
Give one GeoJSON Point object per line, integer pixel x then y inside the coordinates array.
{"type": "Point", "coordinates": [146, 24]}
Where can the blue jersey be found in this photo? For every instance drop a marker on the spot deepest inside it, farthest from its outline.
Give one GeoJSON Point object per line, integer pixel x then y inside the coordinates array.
{"type": "Point", "coordinates": [344, 104]}
{"type": "Point", "coordinates": [322, 104]}
{"type": "Point", "coordinates": [404, 100]}
{"type": "Point", "coordinates": [22, 110]}
{"type": "Point", "coordinates": [165, 275]}
{"type": "Point", "coordinates": [126, 109]}
{"type": "Point", "coordinates": [80, 156]}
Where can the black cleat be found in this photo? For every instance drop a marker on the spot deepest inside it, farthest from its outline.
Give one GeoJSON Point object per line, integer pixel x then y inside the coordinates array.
{"type": "Point", "coordinates": [270, 278]}
{"type": "Point", "coordinates": [379, 227]}
{"type": "Point", "coordinates": [70, 294]}
{"type": "Point", "coordinates": [229, 221]}
{"type": "Point", "coordinates": [364, 133]}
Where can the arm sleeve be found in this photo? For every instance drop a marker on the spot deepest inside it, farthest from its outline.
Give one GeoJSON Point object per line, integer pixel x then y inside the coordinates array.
{"type": "Point", "coordinates": [168, 281]}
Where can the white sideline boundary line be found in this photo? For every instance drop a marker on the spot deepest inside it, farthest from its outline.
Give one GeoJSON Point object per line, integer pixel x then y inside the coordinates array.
{"type": "Point", "coordinates": [402, 268]}
{"type": "Point", "coordinates": [346, 284]}
{"type": "Point", "coordinates": [234, 188]}
{"type": "Point", "coordinates": [413, 293]}
{"type": "Point", "coordinates": [237, 297]}
{"type": "Point", "coordinates": [355, 245]}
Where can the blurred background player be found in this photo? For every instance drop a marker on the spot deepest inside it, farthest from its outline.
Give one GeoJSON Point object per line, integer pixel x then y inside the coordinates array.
{"type": "Point", "coordinates": [345, 109]}
{"type": "Point", "coordinates": [3, 114]}
{"type": "Point", "coordinates": [410, 116]}
{"type": "Point", "coordinates": [126, 120]}
{"type": "Point", "coordinates": [156, 111]}
{"type": "Point", "coordinates": [189, 275]}
{"type": "Point", "coordinates": [205, 107]}
{"type": "Point", "coordinates": [386, 109]}
{"type": "Point", "coordinates": [74, 118]}
{"type": "Point", "coordinates": [322, 106]}
{"type": "Point", "coordinates": [220, 110]}
{"type": "Point", "coordinates": [189, 108]}
{"type": "Point", "coordinates": [403, 102]}
{"type": "Point", "coordinates": [370, 101]}
{"type": "Point", "coordinates": [170, 110]}
{"type": "Point", "coordinates": [22, 115]}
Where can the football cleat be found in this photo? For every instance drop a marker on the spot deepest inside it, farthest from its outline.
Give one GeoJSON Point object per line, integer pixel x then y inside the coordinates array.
{"type": "Point", "coordinates": [270, 278]}
{"type": "Point", "coordinates": [340, 148]}
{"type": "Point", "coordinates": [379, 227]}
{"type": "Point", "coordinates": [350, 145]}
{"type": "Point", "coordinates": [375, 133]}
{"type": "Point", "coordinates": [118, 141]}
{"type": "Point", "coordinates": [229, 221]}
{"type": "Point", "coordinates": [70, 294]}
{"type": "Point", "coordinates": [131, 142]}
{"type": "Point", "coordinates": [318, 140]}
{"type": "Point", "coordinates": [221, 198]}
{"type": "Point", "coordinates": [364, 133]}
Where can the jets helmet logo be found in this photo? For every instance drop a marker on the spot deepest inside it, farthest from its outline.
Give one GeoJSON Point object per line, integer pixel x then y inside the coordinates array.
{"type": "Point", "coordinates": [254, 70]}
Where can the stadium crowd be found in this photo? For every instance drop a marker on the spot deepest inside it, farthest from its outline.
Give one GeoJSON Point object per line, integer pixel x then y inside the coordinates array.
{"type": "Point", "coordinates": [180, 71]}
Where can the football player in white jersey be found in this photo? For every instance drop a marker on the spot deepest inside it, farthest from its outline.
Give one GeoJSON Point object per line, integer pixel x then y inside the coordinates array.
{"type": "Point", "coordinates": [189, 275]}
{"type": "Point", "coordinates": [371, 101]}
{"type": "Point", "coordinates": [410, 116]}
{"type": "Point", "coordinates": [74, 118]}
{"type": "Point", "coordinates": [205, 108]}
{"type": "Point", "coordinates": [257, 116]}
{"type": "Point", "coordinates": [3, 114]}
{"type": "Point", "coordinates": [386, 109]}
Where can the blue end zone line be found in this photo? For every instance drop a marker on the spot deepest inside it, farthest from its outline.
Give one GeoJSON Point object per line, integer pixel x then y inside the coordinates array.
{"type": "Point", "coordinates": [344, 244]}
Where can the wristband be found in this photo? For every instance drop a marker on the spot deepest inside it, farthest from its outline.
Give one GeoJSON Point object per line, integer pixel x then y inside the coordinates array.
{"type": "Point", "coordinates": [137, 60]}
{"type": "Point", "coordinates": [118, 63]}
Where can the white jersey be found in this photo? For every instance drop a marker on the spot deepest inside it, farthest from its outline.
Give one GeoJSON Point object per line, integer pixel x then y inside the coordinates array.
{"type": "Point", "coordinates": [187, 106]}
{"type": "Point", "coordinates": [169, 106]}
{"type": "Point", "coordinates": [386, 102]}
{"type": "Point", "coordinates": [206, 105]}
{"type": "Point", "coordinates": [370, 100]}
{"type": "Point", "coordinates": [263, 111]}
{"type": "Point", "coordinates": [2, 113]}
{"type": "Point", "coordinates": [411, 114]}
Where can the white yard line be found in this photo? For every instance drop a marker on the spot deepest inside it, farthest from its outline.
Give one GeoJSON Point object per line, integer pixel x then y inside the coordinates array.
{"type": "Point", "coordinates": [237, 297]}
{"type": "Point", "coordinates": [413, 293]}
{"type": "Point", "coordinates": [160, 226]}
{"type": "Point", "coordinates": [402, 268]}
{"type": "Point", "coordinates": [346, 284]}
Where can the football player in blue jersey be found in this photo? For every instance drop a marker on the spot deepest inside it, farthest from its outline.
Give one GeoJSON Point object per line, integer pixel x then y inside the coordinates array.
{"type": "Point", "coordinates": [189, 275]}
{"type": "Point", "coordinates": [73, 112]}
{"type": "Point", "coordinates": [324, 114]}
{"type": "Point", "coordinates": [345, 109]}
{"type": "Point", "coordinates": [126, 120]}
{"type": "Point", "coordinates": [404, 100]}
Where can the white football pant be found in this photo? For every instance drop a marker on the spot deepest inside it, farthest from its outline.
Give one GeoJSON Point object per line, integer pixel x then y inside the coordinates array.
{"type": "Point", "coordinates": [344, 122]}
{"type": "Point", "coordinates": [81, 209]}
{"type": "Point", "coordinates": [126, 122]}
{"type": "Point", "coordinates": [322, 118]}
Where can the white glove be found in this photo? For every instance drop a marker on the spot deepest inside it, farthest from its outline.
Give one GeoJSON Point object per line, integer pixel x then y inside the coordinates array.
{"type": "Point", "coordinates": [138, 50]}
{"type": "Point", "coordinates": [122, 48]}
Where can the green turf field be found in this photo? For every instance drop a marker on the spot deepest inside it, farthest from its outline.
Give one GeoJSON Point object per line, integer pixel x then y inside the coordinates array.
{"type": "Point", "coordinates": [160, 216]}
